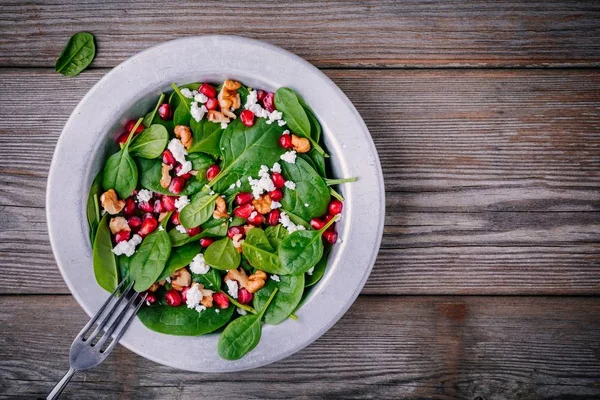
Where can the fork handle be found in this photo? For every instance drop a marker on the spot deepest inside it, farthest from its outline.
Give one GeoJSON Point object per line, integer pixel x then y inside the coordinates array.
{"type": "Point", "coordinates": [61, 385]}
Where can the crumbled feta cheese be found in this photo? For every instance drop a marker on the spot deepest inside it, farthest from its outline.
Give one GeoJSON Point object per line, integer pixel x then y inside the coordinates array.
{"type": "Point", "coordinates": [264, 170]}
{"type": "Point", "coordinates": [160, 228]}
{"type": "Point", "coordinates": [232, 186]}
{"type": "Point", "coordinates": [275, 204]}
{"type": "Point", "coordinates": [274, 116]}
{"type": "Point", "coordinates": [281, 122]}
{"type": "Point", "coordinates": [241, 311]}
{"type": "Point", "coordinates": [178, 150]}
{"type": "Point", "coordinates": [275, 278]}
{"type": "Point", "coordinates": [193, 297]}
{"type": "Point", "coordinates": [144, 195]}
{"type": "Point", "coordinates": [290, 185]}
{"type": "Point", "coordinates": [200, 97]}
{"type": "Point", "coordinates": [310, 271]}
{"type": "Point", "coordinates": [287, 223]}
{"type": "Point", "coordinates": [286, 132]}
{"type": "Point", "coordinates": [127, 247]}
{"type": "Point", "coordinates": [217, 310]}
{"type": "Point", "coordinates": [199, 308]}
{"type": "Point", "coordinates": [197, 112]}
{"type": "Point", "coordinates": [232, 288]}
{"type": "Point", "coordinates": [186, 93]}
{"type": "Point", "coordinates": [180, 228]}
{"type": "Point", "coordinates": [211, 192]}
{"type": "Point", "coordinates": [181, 202]}
{"type": "Point", "coordinates": [168, 279]}
{"type": "Point", "coordinates": [194, 92]}
{"type": "Point", "coordinates": [263, 184]}
{"type": "Point", "coordinates": [185, 168]}
{"type": "Point", "coordinates": [198, 265]}
{"type": "Point", "coordinates": [238, 183]}
{"type": "Point", "coordinates": [306, 205]}
{"type": "Point", "coordinates": [276, 168]}
{"type": "Point", "coordinates": [223, 125]}
{"type": "Point", "coordinates": [251, 99]}
{"type": "Point", "coordinates": [289, 157]}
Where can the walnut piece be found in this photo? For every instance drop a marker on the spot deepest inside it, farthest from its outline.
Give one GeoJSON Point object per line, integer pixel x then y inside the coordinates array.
{"type": "Point", "coordinates": [185, 135]}
{"type": "Point", "coordinates": [165, 179]}
{"type": "Point", "coordinates": [251, 283]}
{"type": "Point", "coordinates": [217, 116]}
{"type": "Point", "coordinates": [180, 279]}
{"type": "Point", "coordinates": [247, 228]}
{"type": "Point", "coordinates": [237, 242]}
{"type": "Point", "coordinates": [301, 144]}
{"type": "Point", "coordinates": [207, 300]}
{"type": "Point", "coordinates": [156, 285]}
{"type": "Point", "coordinates": [229, 98]}
{"type": "Point", "coordinates": [220, 208]}
{"type": "Point", "coordinates": [111, 203]}
{"type": "Point", "coordinates": [118, 224]}
{"type": "Point", "coordinates": [262, 204]}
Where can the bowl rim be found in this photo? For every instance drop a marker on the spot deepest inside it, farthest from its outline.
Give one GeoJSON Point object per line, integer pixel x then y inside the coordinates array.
{"type": "Point", "coordinates": [374, 190]}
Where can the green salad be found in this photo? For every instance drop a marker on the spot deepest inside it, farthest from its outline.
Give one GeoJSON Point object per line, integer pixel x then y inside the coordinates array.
{"type": "Point", "coordinates": [218, 207]}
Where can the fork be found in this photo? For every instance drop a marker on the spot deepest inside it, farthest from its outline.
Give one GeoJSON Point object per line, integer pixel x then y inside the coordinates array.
{"type": "Point", "coordinates": [87, 351]}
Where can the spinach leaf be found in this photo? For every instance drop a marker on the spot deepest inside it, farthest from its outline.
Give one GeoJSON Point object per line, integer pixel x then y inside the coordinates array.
{"type": "Point", "coordinates": [315, 126]}
{"type": "Point", "coordinates": [293, 112]}
{"type": "Point", "coordinates": [319, 271]}
{"type": "Point", "coordinates": [285, 301]}
{"type": "Point", "coordinates": [175, 99]}
{"type": "Point", "coordinates": [207, 137]}
{"type": "Point", "coordinates": [105, 263]}
{"type": "Point", "coordinates": [179, 258]}
{"type": "Point", "coordinates": [93, 206]}
{"type": "Point", "coordinates": [182, 113]}
{"type": "Point", "coordinates": [183, 321]}
{"type": "Point", "coordinates": [318, 161]}
{"type": "Point", "coordinates": [222, 255]}
{"type": "Point", "coordinates": [260, 253]}
{"type": "Point", "coordinates": [243, 92]}
{"type": "Point", "coordinates": [335, 194]}
{"type": "Point", "coordinates": [201, 163]}
{"type": "Point", "coordinates": [123, 263]}
{"type": "Point", "coordinates": [245, 150]}
{"type": "Point", "coordinates": [150, 143]}
{"type": "Point", "coordinates": [149, 261]}
{"type": "Point", "coordinates": [310, 189]}
{"type": "Point", "coordinates": [149, 118]}
{"type": "Point", "coordinates": [120, 173]}
{"type": "Point", "coordinates": [179, 239]}
{"type": "Point", "coordinates": [199, 210]}
{"type": "Point", "coordinates": [77, 54]}
{"type": "Point", "coordinates": [210, 280]}
{"type": "Point", "coordinates": [242, 335]}
{"type": "Point", "coordinates": [275, 234]}
{"type": "Point", "coordinates": [150, 173]}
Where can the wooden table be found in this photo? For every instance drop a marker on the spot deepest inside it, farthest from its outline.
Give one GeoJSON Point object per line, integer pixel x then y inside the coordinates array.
{"type": "Point", "coordinates": [487, 120]}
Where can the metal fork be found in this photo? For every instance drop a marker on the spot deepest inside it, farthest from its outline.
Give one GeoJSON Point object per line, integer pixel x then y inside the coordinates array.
{"type": "Point", "coordinates": [87, 351]}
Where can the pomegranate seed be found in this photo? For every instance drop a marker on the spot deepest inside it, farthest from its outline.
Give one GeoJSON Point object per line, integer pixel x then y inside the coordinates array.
{"type": "Point", "coordinates": [173, 298]}
{"type": "Point", "coordinates": [260, 95]}
{"type": "Point", "coordinates": [157, 195]}
{"type": "Point", "coordinates": [243, 211]}
{"type": "Point", "coordinates": [164, 112]}
{"type": "Point", "coordinates": [158, 207]}
{"type": "Point", "coordinates": [273, 217]}
{"type": "Point", "coordinates": [147, 215]}
{"type": "Point", "coordinates": [175, 218]}
{"type": "Point", "coordinates": [243, 198]}
{"type": "Point", "coordinates": [168, 203]}
{"type": "Point", "coordinates": [149, 225]}
{"type": "Point", "coordinates": [122, 138]}
{"type": "Point", "coordinates": [276, 194]}
{"type": "Point", "coordinates": [244, 296]}
{"type": "Point", "coordinates": [235, 230]}
{"type": "Point", "coordinates": [211, 104]}
{"type": "Point", "coordinates": [184, 293]}
{"type": "Point", "coordinates": [221, 299]}
{"type": "Point", "coordinates": [130, 207]}
{"type": "Point", "coordinates": [278, 180]}
{"type": "Point", "coordinates": [122, 236]}
{"type": "Point", "coordinates": [193, 231]}
{"type": "Point", "coordinates": [205, 242]}
{"type": "Point", "coordinates": [328, 218]}
{"type": "Point", "coordinates": [151, 298]}
{"type": "Point", "coordinates": [330, 236]}
{"type": "Point", "coordinates": [317, 223]}
{"type": "Point", "coordinates": [212, 171]}
{"type": "Point", "coordinates": [178, 168]}
{"type": "Point", "coordinates": [130, 124]}
{"type": "Point", "coordinates": [207, 90]}
{"type": "Point", "coordinates": [256, 219]}
{"type": "Point", "coordinates": [168, 158]}
{"type": "Point", "coordinates": [247, 117]}
{"type": "Point", "coordinates": [335, 207]}
{"type": "Point", "coordinates": [135, 223]}
{"type": "Point", "coordinates": [176, 185]}
{"type": "Point", "coordinates": [285, 141]}
{"type": "Point", "coordinates": [146, 206]}
{"type": "Point", "coordinates": [269, 102]}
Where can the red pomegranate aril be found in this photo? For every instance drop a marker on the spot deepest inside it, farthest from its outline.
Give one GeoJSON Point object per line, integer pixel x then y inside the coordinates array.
{"type": "Point", "coordinates": [208, 90]}
{"type": "Point", "coordinates": [328, 218]}
{"type": "Point", "coordinates": [335, 207]}
{"type": "Point", "coordinates": [243, 211]}
{"type": "Point", "coordinates": [205, 242]}
{"type": "Point", "coordinates": [168, 203]}
{"type": "Point", "coordinates": [244, 296]}
{"type": "Point", "coordinates": [184, 293]}
{"type": "Point", "coordinates": [276, 194]}
{"type": "Point", "coordinates": [164, 112]}
{"type": "Point", "coordinates": [211, 104]}
{"type": "Point", "coordinates": [122, 236]}
{"type": "Point", "coordinates": [193, 231]}
{"type": "Point", "coordinates": [273, 217]}
{"type": "Point", "coordinates": [260, 95]}
{"type": "Point", "coordinates": [149, 225]}
{"type": "Point", "coordinates": [285, 141]}
{"type": "Point", "coordinates": [147, 215]}
{"type": "Point", "coordinates": [317, 223]}
{"type": "Point", "coordinates": [135, 223]}
{"type": "Point", "coordinates": [243, 198]}
{"type": "Point", "coordinates": [122, 138]}
{"type": "Point", "coordinates": [235, 230]}
{"type": "Point", "coordinates": [269, 102]}
{"type": "Point", "coordinates": [177, 185]}
{"type": "Point", "coordinates": [175, 218]}
{"type": "Point", "coordinates": [278, 180]}
{"type": "Point", "coordinates": [173, 298]}
{"type": "Point", "coordinates": [150, 298]}
{"type": "Point", "coordinates": [178, 168]}
{"type": "Point", "coordinates": [158, 207]}
{"type": "Point", "coordinates": [221, 299]}
{"type": "Point", "coordinates": [130, 207]}
{"type": "Point", "coordinates": [168, 157]}
{"type": "Point", "coordinates": [247, 117]}
{"type": "Point", "coordinates": [330, 236]}
{"type": "Point", "coordinates": [130, 124]}
{"type": "Point", "coordinates": [212, 171]}
{"type": "Point", "coordinates": [256, 219]}
{"type": "Point", "coordinates": [146, 206]}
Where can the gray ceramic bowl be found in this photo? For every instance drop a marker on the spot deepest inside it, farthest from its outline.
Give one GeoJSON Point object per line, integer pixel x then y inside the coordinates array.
{"type": "Point", "coordinates": [128, 91]}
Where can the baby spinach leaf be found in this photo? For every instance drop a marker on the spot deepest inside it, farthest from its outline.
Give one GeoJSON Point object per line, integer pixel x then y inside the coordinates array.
{"type": "Point", "coordinates": [293, 112]}
{"type": "Point", "coordinates": [210, 280]}
{"type": "Point", "coordinates": [150, 173]}
{"type": "Point", "coordinates": [150, 143]}
{"type": "Point", "coordinates": [260, 253]}
{"type": "Point", "coordinates": [318, 161]}
{"type": "Point", "coordinates": [310, 190]}
{"type": "Point", "coordinates": [243, 92]}
{"type": "Point", "coordinates": [93, 206]}
{"type": "Point", "coordinates": [105, 263]}
{"type": "Point", "coordinates": [175, 99]}
{"type": "Point", "coordinates": [242, 335]}
{"type": "Point", "coordinates": [123, 263]}
{"type": "Point", "coordinates": [222, 255]}
{"type": "Point", "coordinates": [182, 114]}
{"type": "Point", "coordinates": [207, 137]}
{"type": "Point", "coordinates": [180, 257]}
{"type": "Point", "coordinates": [149, 118]}
{"type": "Point", "coordinates": [201, 163]}
{"type": "Point", "coordinates": [285, 301]}
{"type": "Point", "coordinates": [199, 210]}
{"type": "Point", "coordinates": [183, 321]}
{"type": "Point", "coordinates": [335, 194]}
{"type": "Point", "coordinates": [150, 259]}
{"type": "Point", "coordinates": [120, 173]}
{"type": "Point", "coordinates": [319, 271]}
{"type": "Point", "coordinates": [315, 126]}
{"type": "Point", "coordinates": [179, 238]}
{"type": "Point", "coordinates": [77, 54]}
{"type": "Point", "coordinates": [275, 234]}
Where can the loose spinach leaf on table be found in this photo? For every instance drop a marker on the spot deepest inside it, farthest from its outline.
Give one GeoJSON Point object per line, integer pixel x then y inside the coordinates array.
{"type": "Point", "coordinates": [149, 118]}
{"type": "Point", "coordinates": [199, 210]}
{"type": "Point", "coordinates": [319, 270]}
{"type": "Point", "coordinates": [150, 259]}
{"type": "Point", "coordinates": [93, 206]}
{"type": "Point", "coordinates": [183, 321]}
{"type": "Point", "coordinates": [105, 263]}
{"type": "Point", "coordinates": [222, 255]}
{"type": "Point", "coordinates": [285, 301]}
{"type": "Point", "coordinates": [242, 335]}
{"type": "Point", "coordinates": [150, 173]}
{"type": "Point", "coordinates": [180, 257]}
{"type": "Point", "coordinates": [150, 143]}
{"type": "Point", "coordinates": [259, 252]}
{"type": "Point", "coordinates": [77, 54]}
{"type": "Point", "coordinates": [179, 238]}
{"type": "Point", "coordinates": [275, 234]}
{"type": "Point", "coordinates": [207, 137]}
{"type": "Point", "coordinates": [210, 280]}
{"type": "Point", "coordinates": [310, 190]}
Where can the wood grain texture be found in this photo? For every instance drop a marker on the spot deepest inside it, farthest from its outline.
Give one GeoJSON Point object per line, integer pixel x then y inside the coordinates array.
{"type": "Point", "coordinates": [326, 33]}
{"type": "Point", "coordinates": [441, 347]}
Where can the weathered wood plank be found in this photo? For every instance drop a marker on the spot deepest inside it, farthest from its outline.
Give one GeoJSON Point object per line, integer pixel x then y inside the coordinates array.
{"type": "Point", "coordinates": [327, 33]}
{"type": "Point", "coordinates": [385, 347]}
{"type": "Point", "coordinates": [422, 253]}
{"type": "Point", "coordinates": [466, 140]}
